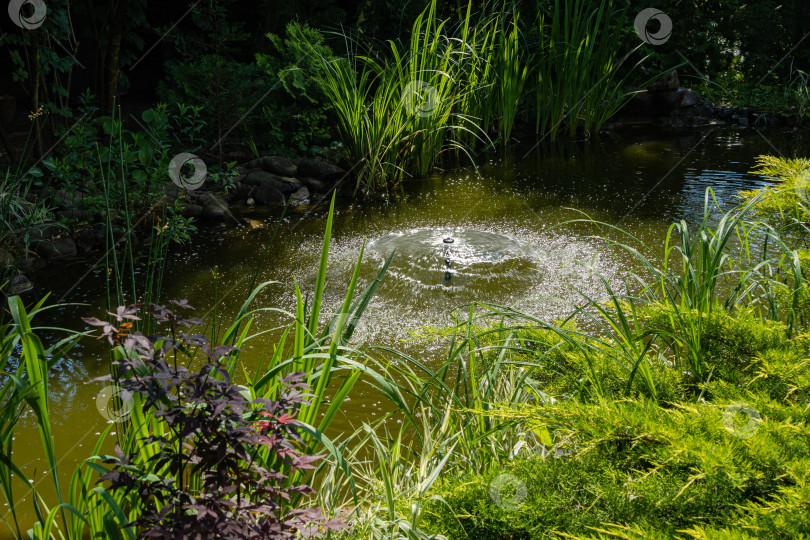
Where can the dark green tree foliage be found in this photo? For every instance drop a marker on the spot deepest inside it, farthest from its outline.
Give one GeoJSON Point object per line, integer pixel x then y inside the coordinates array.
{"type": "Point", "coordinates": [297, 115]}
{"type": "Point", "coordinates": [206, 70]}
{"type": "Point", "coordinates": [752, 38]}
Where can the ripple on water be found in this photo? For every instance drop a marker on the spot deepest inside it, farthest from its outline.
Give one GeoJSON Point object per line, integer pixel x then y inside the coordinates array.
{"type": "Point", "coordinates": [542, 274]}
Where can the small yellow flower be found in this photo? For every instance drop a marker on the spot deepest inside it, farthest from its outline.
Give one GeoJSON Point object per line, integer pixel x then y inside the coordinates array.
{"type": "Point", "coordinates": [36, 114]}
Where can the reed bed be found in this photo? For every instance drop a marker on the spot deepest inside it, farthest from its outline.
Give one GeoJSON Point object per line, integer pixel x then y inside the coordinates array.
{"type": "Point", "coordinates": [460, 86]}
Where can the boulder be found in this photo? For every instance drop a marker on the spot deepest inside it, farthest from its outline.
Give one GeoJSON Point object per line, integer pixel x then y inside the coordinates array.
{"type": "Point", "coordinates": [191, 210]}
{"type": "Point", "coordinates": [320, 170]}
{"type": "Point", "coordinates": [214, 206]}
{"type": "Point", "coordinates": [18, 285]}
{"type": "Point", "coordinates": [672, 100]}
{"type": "Point", "coordinates": [667, 82]}
{"type": "Point", "coordinates": [641, 103]}
{"type": "Point", "coordinates": [281, 183]}
{"type": "Point", "coordinates": [279, 165]}
{"type": "Point", "coordinates": [269, 195]}
{"type": "Point", "coordinates": [57, 248]}
{"type": "Point", "coordinates": [300, 197]}
{"type": "Point", "coordinates": [89, 239]}
{"type": "Point", "coordinates": [314, 185]}
{"type": "Point", "coordinates": [37, 233]}
{"type": "Point", "coordinates": [241, 192]}
{"type": "Point", "coordinates": [6, 259]}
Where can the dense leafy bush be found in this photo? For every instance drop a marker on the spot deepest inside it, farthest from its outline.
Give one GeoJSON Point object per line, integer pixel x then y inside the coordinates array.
{"type": "Point", "coordinates": [201, 478]}
{"type": "Point", "coordinates": [208, 71]}
{"type": "Point", "coordinates": [297, 115]}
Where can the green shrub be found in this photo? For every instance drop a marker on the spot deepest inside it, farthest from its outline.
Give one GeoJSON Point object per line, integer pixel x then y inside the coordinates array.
{"type": "Point", "coordinates": [297, 115]}
{"type": "Point", "coordinates": [636, 463]}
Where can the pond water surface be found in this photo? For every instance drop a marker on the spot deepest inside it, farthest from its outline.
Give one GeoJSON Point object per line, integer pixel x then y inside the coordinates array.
{"type": "Point", "coordinates": [505, 249]}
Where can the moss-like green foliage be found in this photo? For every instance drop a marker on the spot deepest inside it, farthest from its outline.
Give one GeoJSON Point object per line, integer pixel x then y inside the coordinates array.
{"type": "Point", "coordinates": [733, 463]}
{"type": "Point", "coordinates": [786, 206]}
{"type": "Point", "coordinates": [665, 470]}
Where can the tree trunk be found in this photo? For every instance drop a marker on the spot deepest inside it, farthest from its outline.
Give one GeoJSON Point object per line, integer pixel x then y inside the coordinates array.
{"type": "Point", "coordinates": [114, 53]}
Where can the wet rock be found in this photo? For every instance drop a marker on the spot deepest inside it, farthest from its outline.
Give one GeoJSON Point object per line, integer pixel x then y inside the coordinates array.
{"type": "Point", "coordinates": [268, 195]}
{"type": "Point", "coordinates": [641, 103]}
{"type": "Point", "coordinates": [89, 239]}
{"type": "Point", "coordinates": [18, 285]}
{"type": "Point", "coordinates": [282, 184]}
{"type": "Point", "coordinates": [191, 210]}
{"type": "Point", "coordinates": [214, 206]}
{"type": "Point", "coordinates": [300, 197]}
{"type": "Point", "coordinates": [241, 192]}
{"type": "Point", "coordinates": [320, 170]}
{"type": "Point", "coordinates": [279, 165]}
{"type": "Point", "coordinates": [314, 185]}
{"type": "Point", "coordinates": [672, 100]}
{"type": "Point", "coordinates": [667, 82]}
{"type": "Point", "coordinates": [725, 113]}
{"type": "Point", "coordinates": [27, 263]}
{"type": "Point", "coordinates": [57, 248]}
{"type": "Point", "coordinates": [6, 259]}
{"type": "Point", "coordinates": [36, 233]}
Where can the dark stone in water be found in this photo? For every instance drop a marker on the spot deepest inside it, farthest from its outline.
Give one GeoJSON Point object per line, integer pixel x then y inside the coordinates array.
{"type": "Point", "coordinates": [214, 206]}
{"type": "Point", "coordinates": [57, 248]}
{"type": "Point", "coordinates": [191, 210]}
{"type": "Point", "coordinates": [18, 285]}
{"type": "Point", "coordinates": [279, 165]}
{"type": "Point", "coordinates": [314, 185]}
{"type": "Point", "coordinates": [300, 197]}
{"type": "Point", "coordinates": [320, 170]}
{"type": "Point", "coordinates": [282, 184]}
{"type": "Point", "coordinates": [268, 195]}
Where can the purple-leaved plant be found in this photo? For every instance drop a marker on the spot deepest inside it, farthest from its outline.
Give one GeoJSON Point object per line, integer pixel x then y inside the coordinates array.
{"type": "Point", "coordinates": [214, 435]}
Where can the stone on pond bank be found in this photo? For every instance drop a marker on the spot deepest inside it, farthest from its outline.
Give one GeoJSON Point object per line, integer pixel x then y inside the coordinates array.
{"type": "Point", "coordinates": [320, 170]}
{"type": "Point", "coordinates": [267, 195]}
{"type": "Point", "coordinates": [18, 285]}
{"type": "Point", "coordinates": [279, 165]}
{"type": "Point", "coordinates": [56, 248]}
{"type": "Point", "coordinates": [300, 197]}
{"type": "Point", "coordinates": [281, 183]}
{"type": "Point", "coordinates": [314, 184]}
{"type": "Point", "coordinates": [6, 258]}
{"type": "Point", "coordinates": [273, 164]}
{"type": "Point", "coordinates": [214, 206]}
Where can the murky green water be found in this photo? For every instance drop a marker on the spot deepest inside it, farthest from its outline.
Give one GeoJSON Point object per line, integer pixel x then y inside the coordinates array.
{"type": "Point", "coordinates": [505, 249]}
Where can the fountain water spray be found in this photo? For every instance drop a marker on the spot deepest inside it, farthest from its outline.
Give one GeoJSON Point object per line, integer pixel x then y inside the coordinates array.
{"type": "Point", "coordinates": [447, 262]}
